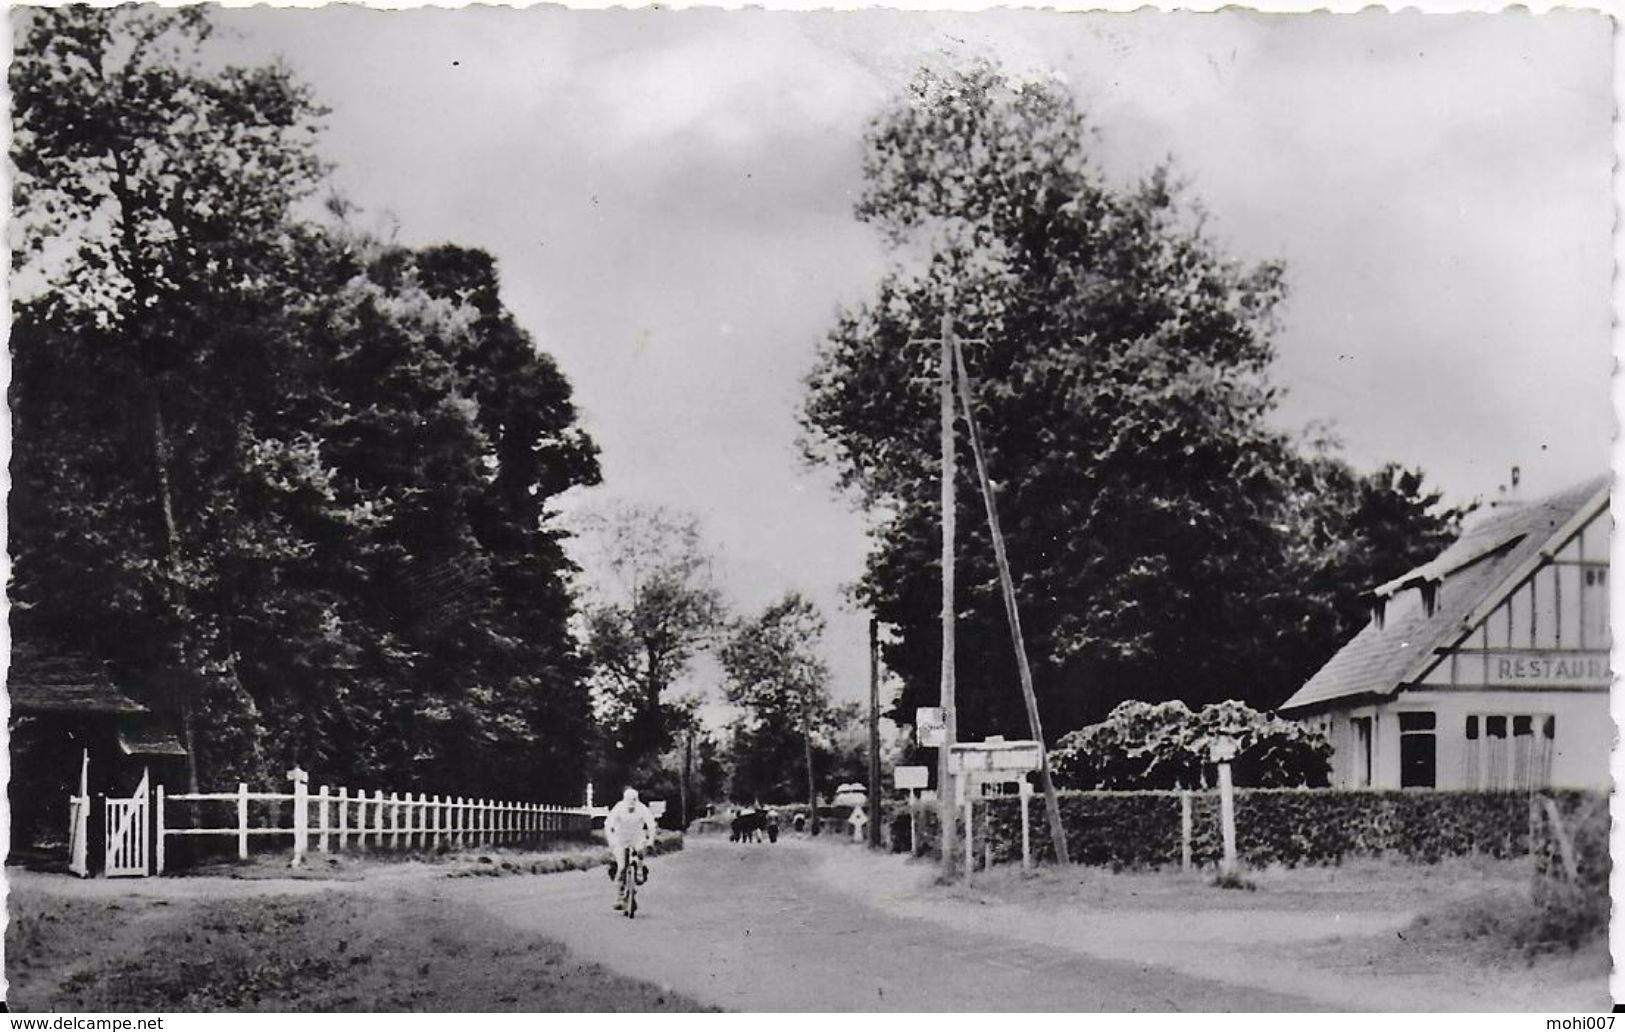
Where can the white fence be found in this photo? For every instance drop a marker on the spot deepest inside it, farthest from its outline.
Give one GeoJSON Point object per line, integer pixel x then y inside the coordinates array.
{"type": "Point", "coordinates": [344, 819]}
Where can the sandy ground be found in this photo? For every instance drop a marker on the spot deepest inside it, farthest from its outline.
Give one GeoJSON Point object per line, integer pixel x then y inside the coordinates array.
{"type": "Point", "coordinates": [797, 926]}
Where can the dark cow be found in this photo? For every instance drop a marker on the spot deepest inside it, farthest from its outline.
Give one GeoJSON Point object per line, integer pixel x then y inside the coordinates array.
{"type": "Point", "coordinates": [748, 825]}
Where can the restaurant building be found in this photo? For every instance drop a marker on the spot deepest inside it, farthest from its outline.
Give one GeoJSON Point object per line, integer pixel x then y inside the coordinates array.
{"type": "Point", "coordinates": [1487, 668]}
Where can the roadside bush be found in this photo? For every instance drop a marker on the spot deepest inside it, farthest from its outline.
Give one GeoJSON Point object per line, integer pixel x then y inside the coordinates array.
{"type": "Point", "coordinates": [1572, 908]}
{"type": "Point", "coordinates": [1291, 827]}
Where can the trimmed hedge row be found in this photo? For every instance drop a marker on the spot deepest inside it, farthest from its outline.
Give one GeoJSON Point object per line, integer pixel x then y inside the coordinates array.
{"type": "Point", "coordinates": [1131, 830]}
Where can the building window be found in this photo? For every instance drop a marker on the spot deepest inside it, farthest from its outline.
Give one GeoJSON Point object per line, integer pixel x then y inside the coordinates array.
{"type": "Point", "coordinates": [1594, 629]}
{"type": "Point", "coordinates": [1360, 776]}
{"type": "Point", "coordinates": [1509, 751]}
{"type": "Point", "coordinates": [1417, 750]}
{"type": "Point", "coordinates": [1469, 773]}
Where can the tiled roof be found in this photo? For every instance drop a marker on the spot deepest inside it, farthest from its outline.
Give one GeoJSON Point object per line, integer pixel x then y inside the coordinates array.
{"type": "Point", "coordinates": [1379, 659]}
{"type": "Point", "coordinates": [40, 682]}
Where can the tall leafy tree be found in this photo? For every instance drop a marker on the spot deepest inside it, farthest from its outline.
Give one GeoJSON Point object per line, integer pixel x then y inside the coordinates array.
{"type": "Point", "coordinates": [295, 482]}
{"type": "Point", "coordinates": [656, 609]}
{"type": "Point", "coordinates": [1154, 516]}
{"type": "Point", "coordinates": [153, 203]}
{"type": "Point", "coordinates": [776, 674]}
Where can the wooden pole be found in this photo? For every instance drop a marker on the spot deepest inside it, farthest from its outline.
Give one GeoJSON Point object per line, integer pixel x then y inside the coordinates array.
{"type": "Point", "coordinates": [1007, 586]}
{"type": "Point", "coordinates": [970, 830]}
{"type": "Point", "coordinates": [945, 793]}
{"type": "Point", "coordinates": [301, 815]}
{"type": "Point", "coordinates": [1184, 829]}
{"type": "Point", "coordinates": [1227, 816]}
{"type": "Point", "coordinates": [875, 809]}
{"type": "Point", "coordinates": [1026, 825]}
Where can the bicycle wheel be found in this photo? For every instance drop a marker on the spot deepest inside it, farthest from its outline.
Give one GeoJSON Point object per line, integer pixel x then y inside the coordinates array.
{"type": "Point", "coordinates": [631, 891]}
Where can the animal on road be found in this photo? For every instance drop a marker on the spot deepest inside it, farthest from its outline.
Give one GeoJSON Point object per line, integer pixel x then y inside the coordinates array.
{"type": "Point", "coordinates": [748, 825]}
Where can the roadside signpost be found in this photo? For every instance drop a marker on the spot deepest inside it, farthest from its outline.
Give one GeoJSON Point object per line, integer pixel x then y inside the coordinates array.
{"type": "Point", "coordinates": [1223, 750]}
{"type": "Point", "coordinates": [929, 729]}
{"type": "Point", "coordinates": [912, 780]}
{"type": "Point", "coordinates": [995, 760]}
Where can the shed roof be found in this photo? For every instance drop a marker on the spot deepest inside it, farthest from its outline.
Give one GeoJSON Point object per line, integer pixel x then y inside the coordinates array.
{"type": "Point", "coordinates": [143, 737]}
{"type": "Point", "coordinates": [1489, 560]}
{"type": "Point", "coordinates": [41, 682]}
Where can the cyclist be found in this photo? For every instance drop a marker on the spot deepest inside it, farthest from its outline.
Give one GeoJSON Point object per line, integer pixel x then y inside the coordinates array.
{"type": "Point", "coordinates": [629, 826]}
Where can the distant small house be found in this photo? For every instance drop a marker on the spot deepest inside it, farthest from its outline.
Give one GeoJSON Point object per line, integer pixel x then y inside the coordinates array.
{"type": "Point", "coordinates": [65, 709]}
{"type": "Point", "coordinates": [1486, 668]}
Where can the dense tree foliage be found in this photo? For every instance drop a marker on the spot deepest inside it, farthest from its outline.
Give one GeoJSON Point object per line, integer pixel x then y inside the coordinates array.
{"type": "Point", "coordinates": [655, 610]}
{"type": "Point", "coordinates": [1167, 541]}
{"type": "Point", "coordinates": [294, 483]}
{"type": "Point", "coordinates": [776, 674]}
{"type": "Point", "coordinates": [1165, 745]}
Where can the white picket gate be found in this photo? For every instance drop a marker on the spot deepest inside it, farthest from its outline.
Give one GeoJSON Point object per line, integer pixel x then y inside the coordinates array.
{"type": "Point", "coordinates": [127, 854]}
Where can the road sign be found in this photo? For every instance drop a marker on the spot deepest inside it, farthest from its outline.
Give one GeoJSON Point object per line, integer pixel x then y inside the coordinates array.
{"type": "Point", "coordinates": [910, 777]}
{"type": "Point", "coordinates": [983, 758]}
{"type": "Point", "coordinates": [930, 727]}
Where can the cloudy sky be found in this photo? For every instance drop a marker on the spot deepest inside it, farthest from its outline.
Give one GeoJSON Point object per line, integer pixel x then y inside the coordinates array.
{"type": "Point", "coordinates": [669, 197]}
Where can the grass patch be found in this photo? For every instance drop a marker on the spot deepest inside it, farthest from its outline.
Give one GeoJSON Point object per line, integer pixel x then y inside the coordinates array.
{"type": "Point", "coordinates": [1233, 880]}
{"type": "Point", "coordinates": [1508, 926]}
{"type": "Point", "coordinates": [331, 951]}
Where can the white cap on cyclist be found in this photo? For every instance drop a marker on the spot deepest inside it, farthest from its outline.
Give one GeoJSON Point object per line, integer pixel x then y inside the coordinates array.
{"type": "Point", "coordinates": [630, 795]}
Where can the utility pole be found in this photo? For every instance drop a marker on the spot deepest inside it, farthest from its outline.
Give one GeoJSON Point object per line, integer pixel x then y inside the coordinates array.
{"type": "Point", "coordinates": [874, 733]}
{"type": "Point", "coordinates": [945, 792]}
{"type": "Point", "coordinates": [1007, 587]}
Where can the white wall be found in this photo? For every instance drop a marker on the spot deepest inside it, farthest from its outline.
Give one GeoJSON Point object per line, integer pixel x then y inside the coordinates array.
{"type": "Point", "coordinates": [1580, 755]}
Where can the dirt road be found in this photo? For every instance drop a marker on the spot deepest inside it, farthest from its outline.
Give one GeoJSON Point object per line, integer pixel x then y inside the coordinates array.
{"type": "Point", "coordinates": [759, 928]}
{"type": "Point", "coordinates": [796, 926]}
{"type": "Point", "coordinates": [816, 927]}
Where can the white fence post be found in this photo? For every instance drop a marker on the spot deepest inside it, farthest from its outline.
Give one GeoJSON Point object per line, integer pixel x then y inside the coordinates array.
{"type": "Point", "coordinates": [378, 818]}
{"type": "Point", "coordinates": [242, 820]}
{"type": "Point", "coordinates": [344, 819]}
{"type": "Point", "coordinates": [301, 815]}
{"type": "Point", "coordinates": [158, 843]}
{"type": "Point", "coordinates": [321, 819]}
{"type": "Point", "coordinates": [1227, 816]}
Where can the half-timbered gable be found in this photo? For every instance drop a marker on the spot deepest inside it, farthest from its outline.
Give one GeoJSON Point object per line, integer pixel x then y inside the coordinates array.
{"type": "Point", "coordinates": [1485, 668]}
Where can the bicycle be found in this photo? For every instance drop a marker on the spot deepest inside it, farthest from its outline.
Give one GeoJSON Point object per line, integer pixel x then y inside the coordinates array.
{"type": "Point", "coordinates": [633, 874]}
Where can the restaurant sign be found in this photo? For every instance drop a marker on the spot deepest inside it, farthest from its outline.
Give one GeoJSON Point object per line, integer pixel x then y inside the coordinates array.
{"type": "Point", "coordinates": [1546, 668]}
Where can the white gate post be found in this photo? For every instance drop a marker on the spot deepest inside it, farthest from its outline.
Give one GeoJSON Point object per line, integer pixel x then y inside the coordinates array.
{"type": "Point", "coordinates": [378, 818]}
{"type": "Point", "coordinates": [79, 821]}
{"type": "Point", "coordinates": [158, 841]}
{"type": "Point", "coordinates": [301, 815]}
{"type": "Point", "coordinates": [242, 820]}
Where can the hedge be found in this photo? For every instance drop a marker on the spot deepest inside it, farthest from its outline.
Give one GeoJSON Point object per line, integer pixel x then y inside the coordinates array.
{"type": "Point", "coordinates": [1132, 830]}
{"type": "Point", "coordinates": [1574, 907]}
